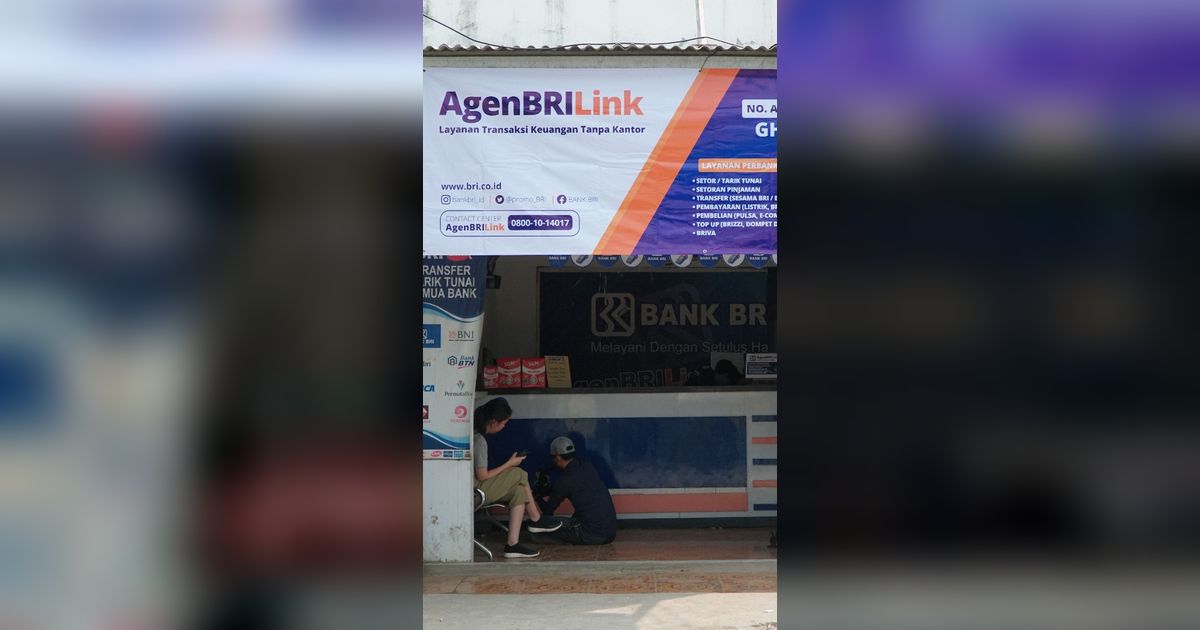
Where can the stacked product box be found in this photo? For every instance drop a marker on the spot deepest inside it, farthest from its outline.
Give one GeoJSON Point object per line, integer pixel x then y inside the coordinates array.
{"type": "Point", "coordinates": [508, 373]}
{"type": "Point", "coordinates": [491, 377]}
{"type": "Point", "coordinates": [533, 372]}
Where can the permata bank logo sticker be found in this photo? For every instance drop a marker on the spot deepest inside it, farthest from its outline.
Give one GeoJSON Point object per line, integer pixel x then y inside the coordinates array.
{"type": "Point", "coordinates": [472, 109]}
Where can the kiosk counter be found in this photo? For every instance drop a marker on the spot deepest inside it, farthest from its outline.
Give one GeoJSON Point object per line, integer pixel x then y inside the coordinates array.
{"type": "Point", "coordinates": [665, 453]}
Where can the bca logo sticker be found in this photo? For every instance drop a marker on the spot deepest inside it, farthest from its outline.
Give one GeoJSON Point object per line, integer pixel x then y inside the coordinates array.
{"type": "Point", "coordinates": [612, 314]}
{"type": "Point", "coordinates": [427, 388]}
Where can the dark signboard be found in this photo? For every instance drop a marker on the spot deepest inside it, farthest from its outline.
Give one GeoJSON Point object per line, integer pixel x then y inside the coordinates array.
{"type": "Point", "coordinates": [652, 328]}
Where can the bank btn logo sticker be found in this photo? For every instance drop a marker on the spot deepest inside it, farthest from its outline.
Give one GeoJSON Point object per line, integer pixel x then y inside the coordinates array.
{"type": "Point", "coordinates": [461, 361]}
{"type": "Point", "coordinates": [656, 260]}
{"type": "Point", "coordinates": [734, 260]}
{"type": "Point", "coordinates": [607, 261]}
{"type": "Point", "coordinates": [558, 261]}
{"type": "Point", "coordinates": [709, 260]}
{"type": "Point", "coordinates": [612, 315]}
{"type": "Point", "coordinates": [581, 261]}
{"type": "Point", "coordinates": [758, 261]}
{"type": "Point", "coordinates": [632, 261]}
{"type": "Point", "coordinates": [680, 260]}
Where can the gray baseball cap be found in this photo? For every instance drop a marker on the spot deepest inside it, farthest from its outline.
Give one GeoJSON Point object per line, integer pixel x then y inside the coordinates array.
{"type": "Point", "coordinates": [562, 445]}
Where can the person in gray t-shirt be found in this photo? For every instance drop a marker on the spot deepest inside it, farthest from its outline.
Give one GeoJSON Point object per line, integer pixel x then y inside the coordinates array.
{"type": "Point", "coordinates": [508, 482]}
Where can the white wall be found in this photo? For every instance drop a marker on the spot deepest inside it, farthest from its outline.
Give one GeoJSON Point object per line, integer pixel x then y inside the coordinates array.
{"type": "Point", "coordinates": [448, 514]}
{"type": "Point", "coordinates": [510, 320]}
{"type": "Point", "coordinates": [562, 22]}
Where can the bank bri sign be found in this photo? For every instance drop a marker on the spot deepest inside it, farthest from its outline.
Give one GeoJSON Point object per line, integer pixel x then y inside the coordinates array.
{"type": "Point", "coordinates": [652, 328]}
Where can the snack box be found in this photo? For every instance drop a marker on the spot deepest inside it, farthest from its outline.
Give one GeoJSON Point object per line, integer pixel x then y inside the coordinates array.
{"type": "Point", "coordinates": [533, 372]}
{"type": "Point", "coordinates": [491, 377]}
{"type": "Point", "coordinates": [508, 373]}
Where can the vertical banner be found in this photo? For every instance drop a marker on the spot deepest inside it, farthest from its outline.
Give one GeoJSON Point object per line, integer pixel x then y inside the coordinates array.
{"type": "Point", "coordinates": [451, 324]}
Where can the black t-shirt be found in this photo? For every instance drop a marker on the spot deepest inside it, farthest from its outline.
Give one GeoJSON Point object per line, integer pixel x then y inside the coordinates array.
{"type": "Point", "coordinates": [593, 503]}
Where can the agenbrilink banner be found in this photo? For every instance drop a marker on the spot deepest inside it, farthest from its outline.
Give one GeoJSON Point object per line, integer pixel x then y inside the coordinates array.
{"type": "Point", "coordinates": [599, 161]}
{"type": "Point", "coordinates": [451, 323]}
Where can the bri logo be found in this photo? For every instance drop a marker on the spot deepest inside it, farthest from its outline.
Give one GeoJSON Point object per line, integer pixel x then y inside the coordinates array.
{"type": "Point", "coordinates": [473, 108]}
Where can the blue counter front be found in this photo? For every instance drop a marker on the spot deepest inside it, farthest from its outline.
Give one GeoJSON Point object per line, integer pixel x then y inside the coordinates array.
{"type": "Point", "coordinates": [681, 453]}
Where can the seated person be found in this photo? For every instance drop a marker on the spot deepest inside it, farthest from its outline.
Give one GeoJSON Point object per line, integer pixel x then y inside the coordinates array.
{"type": "Point", "coordinates": [595, 518]}
{"type": "Point", "coordinates": [508, 482]}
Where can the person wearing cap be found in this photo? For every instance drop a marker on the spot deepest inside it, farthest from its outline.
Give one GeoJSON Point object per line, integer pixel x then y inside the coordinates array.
{"type": "Point", "coordinates": [595, 519]}
{"type": "Point", "coordinates": [508, 482]}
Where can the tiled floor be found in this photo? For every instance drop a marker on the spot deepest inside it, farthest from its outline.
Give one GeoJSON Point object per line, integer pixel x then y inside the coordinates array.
{"type": "Point", "coordinates": [639, 561]}
{"type": "Point", "coordinates": [640, 582]}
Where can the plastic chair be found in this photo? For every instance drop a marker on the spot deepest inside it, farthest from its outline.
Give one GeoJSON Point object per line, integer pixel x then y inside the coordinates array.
{"type": "Point", "coordinates": [479, 505]}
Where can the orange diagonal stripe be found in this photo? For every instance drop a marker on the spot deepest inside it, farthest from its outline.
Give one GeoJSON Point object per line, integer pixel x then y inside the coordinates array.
{"type": "Point", "coordinates": [665, 160]}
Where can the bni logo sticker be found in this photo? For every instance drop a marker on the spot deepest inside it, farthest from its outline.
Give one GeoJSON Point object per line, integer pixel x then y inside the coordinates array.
{"type": "Point", "coordinates": [612, 314]}
{"type": "Point", "coordinates": [459, 334]}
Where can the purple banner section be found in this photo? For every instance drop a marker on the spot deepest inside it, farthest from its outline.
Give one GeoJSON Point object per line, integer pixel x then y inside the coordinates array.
{"type": "Point", "coordinates": [724, 212]}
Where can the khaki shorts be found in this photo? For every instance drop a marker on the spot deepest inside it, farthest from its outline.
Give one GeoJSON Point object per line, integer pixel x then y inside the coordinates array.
{"type": "Point", "coordinates": [509, 486]}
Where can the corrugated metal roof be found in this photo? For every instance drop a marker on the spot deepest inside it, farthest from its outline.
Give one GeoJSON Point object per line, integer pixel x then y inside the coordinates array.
{"type": "Point", "coordinates": [693, 49]}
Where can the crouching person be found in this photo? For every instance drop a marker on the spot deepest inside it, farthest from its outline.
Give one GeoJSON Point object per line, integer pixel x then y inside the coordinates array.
{"type": "Point", "coordinates": [595, 519]}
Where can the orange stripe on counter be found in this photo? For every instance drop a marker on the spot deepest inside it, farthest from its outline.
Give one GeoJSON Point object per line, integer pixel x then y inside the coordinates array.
{"type": "Point", "coordinates": [650, 503]}
{"type": "Point", "coordinates": [764, 440]}
{"type": "Point", "coordinates": [668, 156]}
{"type": "Point", "coordinates": [655, 503]}
{"type": "Point", "coordinates": [766, 483]}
